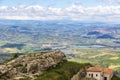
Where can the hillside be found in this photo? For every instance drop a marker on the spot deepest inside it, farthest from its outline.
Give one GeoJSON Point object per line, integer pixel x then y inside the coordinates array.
{"type": "Point", "coordinates": [115, 78]}
{"type": "Point", "coordinates": [30, 65]}
{"type": "Point", "coordinates": [50, 65]}
{"type": "Point", "coordinates": [64, 71]}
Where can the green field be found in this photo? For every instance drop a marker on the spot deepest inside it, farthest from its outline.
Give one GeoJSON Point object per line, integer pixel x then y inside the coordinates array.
{"type": "Point", "coordinates": [104, 57]}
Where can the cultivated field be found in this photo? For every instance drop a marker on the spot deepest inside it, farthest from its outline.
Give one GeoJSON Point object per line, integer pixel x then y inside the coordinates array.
{"type": "Point", "coordinates": [103, 57]}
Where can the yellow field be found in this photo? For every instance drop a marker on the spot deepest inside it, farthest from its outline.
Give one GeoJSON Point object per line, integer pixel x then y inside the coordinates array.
{"type": "Point", "coordinates": [114, 58]}
{"type": "Point", "coordinates": [114, 66]}
{"type": "Point", "coordinates": [10, 50]}
{"type": "Point", "coordinates": [100, 55]}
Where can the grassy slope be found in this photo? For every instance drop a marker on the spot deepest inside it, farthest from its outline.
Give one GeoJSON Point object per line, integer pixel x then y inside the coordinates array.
{"type": "Point", "coordinates": [63, 71]}
{"type": "Point", "coordinates": [115, 78]}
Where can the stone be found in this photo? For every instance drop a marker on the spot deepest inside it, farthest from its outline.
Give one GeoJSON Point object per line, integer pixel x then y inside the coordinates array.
{"type": "Point", "coordinates": [30, 65]}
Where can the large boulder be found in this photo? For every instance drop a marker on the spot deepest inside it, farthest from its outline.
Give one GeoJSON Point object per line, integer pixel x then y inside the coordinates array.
{"type": "Point", "coordinates": [30, 65]}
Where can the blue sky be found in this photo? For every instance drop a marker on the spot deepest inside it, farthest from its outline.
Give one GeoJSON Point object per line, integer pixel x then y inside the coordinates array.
{"type": "Point", "coordinates": [54, 3]}
{"type": "Point", "coordinates": [82, 10]}
{"type": "Point", "coordinates": [58, 3]}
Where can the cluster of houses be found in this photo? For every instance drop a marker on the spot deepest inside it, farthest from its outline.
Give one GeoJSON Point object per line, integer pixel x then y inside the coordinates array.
{"type": "Point", "coordinates": [99, 73]}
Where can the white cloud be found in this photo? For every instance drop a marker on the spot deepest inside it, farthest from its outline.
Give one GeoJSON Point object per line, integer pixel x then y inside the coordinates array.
{"type": "Point", "coordinates": [99, 13]}
{"type": "Point", "coordinates": [110, 1]}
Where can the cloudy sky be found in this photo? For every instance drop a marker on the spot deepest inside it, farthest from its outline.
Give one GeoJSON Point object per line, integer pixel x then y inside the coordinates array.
{"type": "Point", "coordinates": [80, 10]}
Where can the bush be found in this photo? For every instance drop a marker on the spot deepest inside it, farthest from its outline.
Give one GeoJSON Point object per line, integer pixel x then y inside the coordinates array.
{"type": "Point", "coordinates": [15, 55]}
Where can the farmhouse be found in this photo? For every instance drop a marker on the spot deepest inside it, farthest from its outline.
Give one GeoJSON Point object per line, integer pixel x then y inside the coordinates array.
{"type": "Point", "coordinates": [99, 73]}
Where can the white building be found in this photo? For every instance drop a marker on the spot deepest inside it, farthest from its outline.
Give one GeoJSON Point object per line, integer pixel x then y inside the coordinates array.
{"type": "Point", "coordinates": [99, 73]}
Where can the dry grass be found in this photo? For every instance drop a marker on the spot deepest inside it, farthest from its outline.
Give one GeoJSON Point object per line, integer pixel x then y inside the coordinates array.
{"type": "Point", "coordinates": [10, 50]}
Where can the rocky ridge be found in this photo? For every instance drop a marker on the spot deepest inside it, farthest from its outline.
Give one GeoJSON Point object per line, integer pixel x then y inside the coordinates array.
{"type": "Point", "coordinates": [30, 65]}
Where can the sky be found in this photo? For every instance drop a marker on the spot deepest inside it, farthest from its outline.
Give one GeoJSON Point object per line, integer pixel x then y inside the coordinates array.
{"type": "Point", "coordinates": [79, 10]}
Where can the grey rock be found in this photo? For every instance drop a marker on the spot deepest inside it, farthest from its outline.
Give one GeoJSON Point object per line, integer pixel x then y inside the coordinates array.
{"type": "Point", "coordinates": [30, 65]}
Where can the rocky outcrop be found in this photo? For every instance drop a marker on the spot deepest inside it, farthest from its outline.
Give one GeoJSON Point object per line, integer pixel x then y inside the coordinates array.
{"type": "Point", "coordinates": [30, 65]}
{"type": "Point", "coordinates": [81, 75]}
